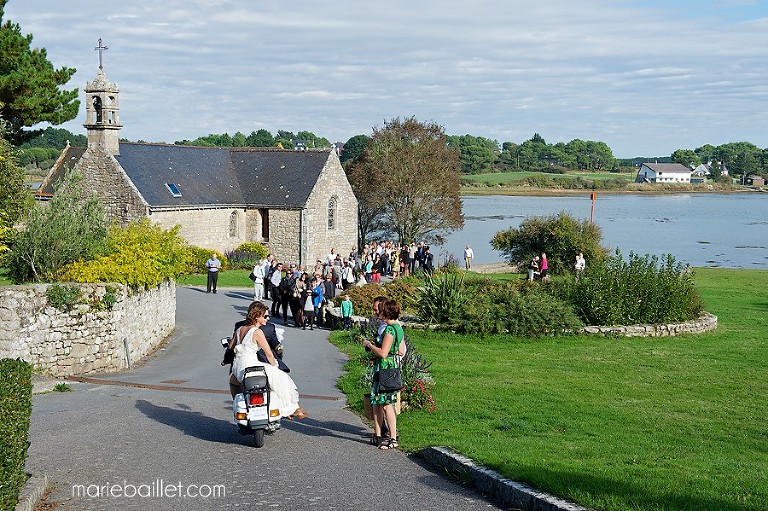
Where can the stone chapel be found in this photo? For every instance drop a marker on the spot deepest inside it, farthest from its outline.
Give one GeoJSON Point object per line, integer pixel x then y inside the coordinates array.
{"type": "Point", "coordinates": [298, 203]}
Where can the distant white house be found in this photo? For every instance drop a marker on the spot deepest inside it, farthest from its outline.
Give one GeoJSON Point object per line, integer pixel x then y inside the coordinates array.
{"type": "Point", "coordinates": [702, 170]}
{"type": "Point", "coordinates": [663, 173]}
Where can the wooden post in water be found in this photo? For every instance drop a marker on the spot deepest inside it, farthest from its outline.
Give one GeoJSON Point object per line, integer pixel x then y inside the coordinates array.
{"type": "Point", "coordinates": [593, 196]}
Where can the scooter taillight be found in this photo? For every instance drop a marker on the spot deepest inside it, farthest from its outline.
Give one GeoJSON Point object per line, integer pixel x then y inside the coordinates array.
{"type": "Point", "coordinates": [256, 399]}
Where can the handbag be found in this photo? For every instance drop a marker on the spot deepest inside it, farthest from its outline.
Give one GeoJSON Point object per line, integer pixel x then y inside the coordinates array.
{"type": "Point", "coordinates": [390, 380]}
{"type": "Point", "coordinates": [252, 277]}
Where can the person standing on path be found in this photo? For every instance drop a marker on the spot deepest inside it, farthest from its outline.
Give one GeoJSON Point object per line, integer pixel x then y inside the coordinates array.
{"type": "Point", "coordinates": [214, 265]}
{"type": "Point", "coordinates": [258, 281]}
{"type": "Point", "coordinates": [274, 289]}
{"type": "Point", "coordinates": [386, 357]}
{"type": "Point", "coordinates": [469, 254]}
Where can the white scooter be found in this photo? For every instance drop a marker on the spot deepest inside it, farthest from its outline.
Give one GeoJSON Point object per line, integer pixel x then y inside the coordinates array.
{"type": "Point", "coordinates": [252, 408]}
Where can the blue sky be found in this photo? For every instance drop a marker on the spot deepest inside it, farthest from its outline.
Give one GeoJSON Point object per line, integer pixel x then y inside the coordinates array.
{"type": "Point", "coordinates": [646, 77]}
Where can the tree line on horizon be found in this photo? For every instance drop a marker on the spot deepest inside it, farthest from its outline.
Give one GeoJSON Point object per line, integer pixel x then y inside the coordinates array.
{"type": "Point", "coordinates": [477, 155]}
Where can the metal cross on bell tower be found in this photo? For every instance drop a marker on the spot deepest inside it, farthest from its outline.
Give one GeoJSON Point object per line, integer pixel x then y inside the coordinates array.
{"type": "Point", "coordinates": [100, 48]}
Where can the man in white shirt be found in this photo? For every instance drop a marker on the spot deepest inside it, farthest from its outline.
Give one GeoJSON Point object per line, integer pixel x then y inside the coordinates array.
{"type": "Point", "coordinates": [214, 265]}
{"type": "Point", "coordinates": [258, 282]}
{"type": "Point", "coordinates": [468, 256]}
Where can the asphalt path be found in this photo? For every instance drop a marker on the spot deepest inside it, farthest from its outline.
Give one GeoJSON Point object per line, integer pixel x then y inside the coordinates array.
{"type": "Point", "coordinates": [165, 429]}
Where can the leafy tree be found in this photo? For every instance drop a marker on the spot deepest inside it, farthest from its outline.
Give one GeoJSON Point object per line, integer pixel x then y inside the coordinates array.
{"type": "Point", "coordinates": [410, 172]}
{"type": "Point", "coordinates": [29, 84]}
{"type": "Point", "coordinates": [15, 198]}
{"type": "Point", "coordinates": [37, 155]}
{"type": "Point", "coordinates": [686, 157]}
{"type": "Point", "coordinates": [55, 138]}
{"type": "Point", "coordinates": [706, 153]}
{"type": "Point", "coordinates": [354, 148]}
{"type": "Point", "coordinates": [239, 140]}
{"type": "Point", "coordinates": [477, 154]}
{"type": "Point", "coordinates": [68, 229]}
{"type": "Point", "coordinates": [560, 236]}
{"type": "Point", "coordinates": [313, 141]}
{"type": "Point", "coordinates": [261, 138]}
{"type": "Point", "coordinates": [745, 164]}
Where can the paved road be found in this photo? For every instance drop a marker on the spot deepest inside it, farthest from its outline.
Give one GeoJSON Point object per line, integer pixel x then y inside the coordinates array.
{"type": "Point", "coordinates": [116, 438]}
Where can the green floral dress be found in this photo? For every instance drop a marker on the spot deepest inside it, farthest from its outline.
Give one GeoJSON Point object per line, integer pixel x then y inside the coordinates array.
{"type": "Point", "coordinates": [386, 398]}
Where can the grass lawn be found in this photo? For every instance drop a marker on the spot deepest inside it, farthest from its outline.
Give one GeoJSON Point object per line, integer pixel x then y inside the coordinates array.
{"type": "Point", "coordinates": [227, 278]}
{"type": "Point", "coordinates": [614, 424]}
{"type": "Point", "coordinates": [509, 178]}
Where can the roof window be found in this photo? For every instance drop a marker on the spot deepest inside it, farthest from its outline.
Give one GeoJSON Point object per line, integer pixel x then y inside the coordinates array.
{"type": "Point", "coordinates": [174, 189]}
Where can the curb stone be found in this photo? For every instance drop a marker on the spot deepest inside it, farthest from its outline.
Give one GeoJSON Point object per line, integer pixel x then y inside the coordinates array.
{"type": "Point", "coordinates": [32, 491]}
{"type": "Point", "coordinates": [517, 495]}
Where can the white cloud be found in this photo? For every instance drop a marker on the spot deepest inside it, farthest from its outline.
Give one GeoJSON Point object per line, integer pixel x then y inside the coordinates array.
{"type": "Point", "coordinates": [642, 78]}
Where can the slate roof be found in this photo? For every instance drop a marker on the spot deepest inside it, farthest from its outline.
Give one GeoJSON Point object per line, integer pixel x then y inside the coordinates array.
{"type": "Point", "coordinates": [67, 160]}
{"type": "Point", "coordinates": [220, 176]}
{"type": "Point", "coordinates": [675, 168]}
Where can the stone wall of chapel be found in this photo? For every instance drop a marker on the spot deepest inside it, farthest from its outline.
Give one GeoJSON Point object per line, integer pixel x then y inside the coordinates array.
{"type": "Point", "coordinates": [207, 228]}
{"type": "Point", "coordinates": [320, 239]}
{"type": "Point", "coordinates": [210, 228]}
{"type": "Point", "coordinates": [104, 176]}
{"type": "Point", "coordinates": [285, 235]}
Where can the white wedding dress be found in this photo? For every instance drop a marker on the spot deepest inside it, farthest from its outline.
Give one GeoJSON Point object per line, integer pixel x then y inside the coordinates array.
{"type": "Point", "coordinates": [283, 389]}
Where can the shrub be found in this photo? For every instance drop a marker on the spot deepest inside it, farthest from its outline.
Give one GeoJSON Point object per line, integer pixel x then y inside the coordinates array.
{"type": "Point", "coordinates": [403, 291]}
{"type": "Point", "coordinates": [362, 297]}
{"type": "Point", "coordinates": [63, 297]}
{"type": "Point", "coordinates": [516, 308]}
{"type": "Point", "coordinates": [68, 229]}
{"type": "Point", "coordinates": [238, 259]}
{"type": "Point", "coordinates": [441, 298]}
{"type": "Point", "coordinates": [15, 410]}
{"type": "Point", "coordinates": [560, 236]}
{"type": "Point", "coordinates": [139, 255]}
{"type": "Point", "coordinates": [258, 249]}
{"type": "Point", "coordinates": [196, 258]}
{"type": "Point", "coordinates": [640, 290]}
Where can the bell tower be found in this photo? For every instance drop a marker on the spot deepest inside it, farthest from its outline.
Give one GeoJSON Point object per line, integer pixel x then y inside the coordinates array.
{"type": "Point", "coordinates": [102, 108]}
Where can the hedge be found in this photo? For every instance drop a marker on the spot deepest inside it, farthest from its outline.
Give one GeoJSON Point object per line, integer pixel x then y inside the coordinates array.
{"type": "Point", "coordinates": [15, 410]}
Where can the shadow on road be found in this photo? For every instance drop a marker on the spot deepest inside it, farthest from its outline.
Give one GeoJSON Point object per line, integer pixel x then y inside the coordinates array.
{"type": "Point", "coordinates": [312, 427]}
{"type": "Point", "coordinates": [190, 423]}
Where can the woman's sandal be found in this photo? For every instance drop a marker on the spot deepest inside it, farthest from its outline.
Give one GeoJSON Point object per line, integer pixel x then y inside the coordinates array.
{"type": "Point", "coordinates": [375, 440]}
{"type": "Point", "coordinates": [299, 414]}
{"type": "Point", "coordinates": [389, 443]}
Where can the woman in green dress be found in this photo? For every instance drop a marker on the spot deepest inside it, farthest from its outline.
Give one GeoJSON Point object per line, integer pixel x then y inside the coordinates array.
{"type": "Point", "coordinates": [386, 351]}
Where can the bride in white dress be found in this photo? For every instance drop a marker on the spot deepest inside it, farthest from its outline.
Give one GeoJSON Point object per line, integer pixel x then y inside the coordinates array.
{"type": "Point", "coordinates": [282, 385]}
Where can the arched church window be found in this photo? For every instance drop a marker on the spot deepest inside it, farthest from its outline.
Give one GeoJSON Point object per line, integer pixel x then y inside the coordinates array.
{"type": "Point", "coordinates": [233, 224]}
{"type": "Point", "coordinates": [332, 210]}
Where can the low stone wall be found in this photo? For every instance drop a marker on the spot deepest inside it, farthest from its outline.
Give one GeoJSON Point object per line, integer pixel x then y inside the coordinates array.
{"type": "Point", "coordinates": [704, 323]}
{"type": "Point", "coordinates": [86, 339]}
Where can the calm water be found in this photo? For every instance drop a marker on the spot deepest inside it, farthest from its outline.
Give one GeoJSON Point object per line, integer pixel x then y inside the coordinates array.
{"type": "Point", "coordinates": [729, 231]}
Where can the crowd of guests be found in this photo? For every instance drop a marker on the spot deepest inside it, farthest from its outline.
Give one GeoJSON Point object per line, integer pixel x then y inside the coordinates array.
{"type": "Point", "coordinates": [305, 292]}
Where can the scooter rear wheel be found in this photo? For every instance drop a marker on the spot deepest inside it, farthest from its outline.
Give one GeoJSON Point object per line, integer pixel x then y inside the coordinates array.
{"type": "Point", "coordinates": [258, 438]}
